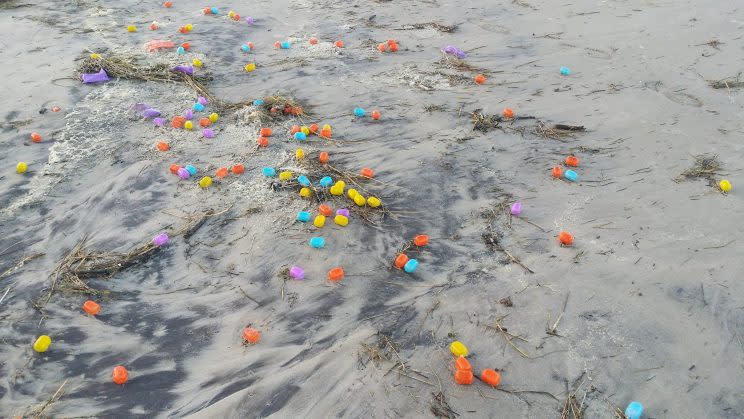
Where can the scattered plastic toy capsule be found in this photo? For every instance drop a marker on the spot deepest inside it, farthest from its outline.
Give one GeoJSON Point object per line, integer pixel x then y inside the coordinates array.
{"type": "Point", "coordinates": [725, 185]}
{"type": "Point", "coordinates": [323, 157]}
{"type": "Point", "coordinates": [297, 273]}
{"type": "Point", "coordinates": [300, 136]}
{"type": "Point", "coordinates": [359, 112]}
{"type": "Point", "coordinates": [188, 125]}
{"type": "Point", "coordinates": [336, 190]}
{"type": "Point", "coordinates": [303, 216]}
{"type": "Point", "coordinates": [245, 48]}
{"type": "Point", "coordinates": [317, 242]}
{"type": "Point", "coordinates": [303, 180]}
{"type": "Point", "coordinates": [285, 175]}
{"type": "Point", "coordinates": [516, 208]}
{"type": "Point", "coordinates": [305, 130]}
{"type": "Point", "coordinates": [421, 240]}
{"type": "Point", "coordinates": [251, 335]}
{"type": "Point", "coordinates": [319, 222]}
{"type": "Point", "coordinates": [168, 4]}
{"type": "Point", "coordinates": [374, 202]}
{"type": "Point", "coordinates": [238, 169]}
{"type": "Point", "coordinates": [382, 47]}
{"type": "Point", "coordinates": [344, 212]}
{"type": "Point", "coordinates": [191, 169]}
{"type": "Point", "coordinates": [565, 71]}
{"type": "Point", "coordinates": [159, 122]}
{"type": "Point", "coordinates": [295, 129]}
{"type": "Point", "coordinates": [325, 181]}
{"type": "Point", "coordinates": [188, 114]}
{"type": "Point", "coordinates": [341, 184]}
{"type": "Point", "coordinates": [91, 307]}
{"type": "Point", "coordinates": [464, 377]}
{"type": "Point", "coordinates": [367, 172]}
{"type": "Point", "coordinates": [213, 117]}
{"type": "Point", "coordinates": [336, 274]}
{"type": "Point", "coordinates": [36, 137]}
{"type": "Point", "coordinates": [250, 67]}
{"type": "Point", "coordinates": [56, 109]}
{"type": "Point", "coordinates": [572, 161]}
{"type": "Point", "coordinates": [480, 79]}
{"type": "Point", "coordinates": [277, 44]}
{"type": "Point", "coordinates": [183, 173]}
{"type": "Point", "coordinates": [200, 99]}
{"type": "Point", "coordinates": [557, 172]}
{"type": "Point", "coordinates": [205, 182]}
{"type": "Point", "coordinates": [458, 348]}
{"type": "Point", "coordinates": [299, 154]}
{"type": "Point", "coordinates": [42, 343]}
{"type": "Point", "coordinates": [198, 107]}
{"type": "Point", "coordinates": [305, 192]}
{"type": "Point", "coordinates": [160, 240]}
{"type": "Point", "coordinates": [339, 44]}
{"type": "Point", "coordinates": [375, 115]}
{"type": "Point", "coordinates": [341, 220]}
{"type": "Point", "coordinates": [565, 238]}
{"type": "Point", "coordinates": [197, 63]}
{"type": "Point", "coordinates": [207, 133]}
{"type": "Point", "coordinates": [325, 210]}
{"type": "Point", "coordinates": [21, 167]}
{"type": "Point", "coordinates": [360, 200]}
{"type": "Point", "coordinates": [174, 168]}
{"type": "Point", "coordinates": [214, 10]}
{"type": "Point", "coordinates": [570, 175]}
{"type": "Point", "coordinates": [313, 128]}
{"type": "Point", "coordinates": [285, 45]}
{"type": "Point", "coordinates": [154, 26]}
{"type": "Point", "coordinates": [250, 45]}
{"type": "Point", "coordinates": [400, 261]}
{"type": "Point", "coordinates": [393, 46]}
{"type": "Point", "coordinates": [189, 27]}
{"type": "Point", "coordinates": [313, 41]}
{"type": "Point", "coordinates": [268, 171]}
{"type": "Point", "coordinates": [461, 363]}
{"type": "Point", "coordinates": [508, 113]}
{"type": "Point", "coordinates": [266, 132]}
{"type": "Point", "coordinates": [120, 375]}
{"type": "Point", "coordinates": [263, 142]}
{"type": "Point", "coordinates": [351, 193]}
{"type": "Point", "coordinates": [325, 133]}
{"type": "Point", "coordinates": [491, 377]}
{"type": "Point", "coordinates": [411, 266]}
{"type": "Point", "coordinates": [634, 410]}
{"type": "Point", "coordinates": [181, 50]}
{"type": "Point", "coordinates": [177, 121]}
{"type": "Point", "coordinates": [221, 172]}
{"type": "Point", "coordinates": [204, 122]}
{"type": "Point", "coordinates": [131, 28]}
{"type": "Point", "coordinates": [249, 20]}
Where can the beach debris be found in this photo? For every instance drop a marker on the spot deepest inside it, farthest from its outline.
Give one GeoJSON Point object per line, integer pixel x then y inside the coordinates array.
{"type": "Point", "coordinates": [572, 161]}
{"type": "Point", "coordinates": [458, 348]}
{"type": "Point", "coordinates": [557, 172]}
{"type": "Point", "coordinates": [421, 240]}
{"type": "Point", "coordinates": [634, 410]}
{"type": "Point", "coordinates": [91, 307]}
{"type": "Point", "coordinates": [571, 176]}
{"type": "Point", "coordinates": [490, 377]}
{"type": "Point", "coordinates": [21, 167]}
{"type": "Point", "coordinates": [508, 113]}
{"type": "Point", "coordinates": [296, 272]}
{"type": "Point", "coordinates": [98, 77]}
{"type": "Point", "coordinates": [336, 274]}
{"type": "Point", "coordinates": [251, 335]}
{"type": "Point", "coordinates": [480, 79]}
{"type": "Point", "coordinates": [411, 266]}
{"type": "Point", "coordinates": [42, 343]}
{"type": "Point", "coordinates": [131, 28]}
{"type": "Point", "coordinates": [36, 137]}
{"type": "Point", "coordinates": [400, 261]}
{"type": "Point", "coordinates": [156, 44]}
{"type": "Point", "coordinates": [359, 112]}
{"type": "Point", "coordinates": [515, 209]}
{"type": "Point", "coordinates": [706, 166]}
{"type": "Point", "coordinates": [565, 71]}
{"type": "Point", "coordinates": [725, 185]}
{"type": "Point", "coordinates": [565, 238]}
{"type": "Point", "coordinates": [455, 51]}
{"type": "Point", "coordinates": [205, 182]}
{"type": "Point", "coordinates": [303, 216]}
{"type": "Point", "coordinates": [120, 375]}
{"type": "Point", "coordinates": [463, 371]}
{"type": "Point", "coordinates": [339, 44]}
{"type": "Point", "coordinates": [318, 242]}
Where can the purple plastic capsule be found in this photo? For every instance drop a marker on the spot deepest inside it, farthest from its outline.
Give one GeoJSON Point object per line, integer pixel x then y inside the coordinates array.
{"type": "Point", "coordinates": [453, 50]}
{"type": "Point", "coordinates": [95, 77]}
{"type": "Point", "coordinates": [158, 121]}
{"type": "Point", "coordinates": [516, 208]}
{"type": "Point", "coordinates": [150, 113]}
{"type": "Point", "coordinates": [342, 211]}
{"type": "Point", "coordinates": [188, 114]}
{"type": "Point", "coordinates": [207, 133]}
{"type": "Point", "coordinates": [249, 20]}
{"type": "Point", "coordinates": [183, 173]}
{"type": "Point", "coordinates": [160, 239]}
{"type": "Point", "coordinates": [202, 100]}
{"type": "Point", "coordinates": [296, 272]}
{"type": "Point", "coordinates": [186, 69]}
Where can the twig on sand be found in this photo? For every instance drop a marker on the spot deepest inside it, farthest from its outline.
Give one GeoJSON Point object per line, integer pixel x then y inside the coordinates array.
{"type": "Point", "coordinates": [440, 408]}
{"type": "Point", "coordinates": [39, 411]}
{"type": "Point", "coordinates": [508, 337]}
{"type": "Point", "coordinates": [20, 264]}
{"type": "Point", "coordinates": [491, 241]}
{"type": "Point", "coordinates": [552, 330]}
{"type": "Point", "coordinates": [572, 409]}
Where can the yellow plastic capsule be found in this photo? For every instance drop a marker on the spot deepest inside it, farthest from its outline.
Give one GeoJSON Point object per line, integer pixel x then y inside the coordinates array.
{"type": "Point", "coordinates": [305, 130]}
{"type": "Point", "coordinates": [21, 167]}
{"type": "Point", "coordinates": [250, 67]}
{"type": "Point", "coordinates": [188, 125]}
{"type": "Point", "coordinates": [341, 184]}
{"type": "Point", "coordinates": [213, 117]}
{"type": "Point", "coordinates": [725, 185]}
{"type": "Point", "coordinates": [360, 200]}
{"type": "Point", "coordinates": [231, 14]}
{"type": "Point", "coordinates": [285, 175]}
{"type": "Point", "coordinates": [95, 56]}
{"type": "Point", "coordinates": [305, 192]}
{"type": "Point", "coordinates": [131, 28]}
{"type": "Point", "coordinates": [373, 202]}
{"type": "Point", "coordinates": [300, 154]}
{"type": "Point", "coordinates": [341, 220]}
{"type": "Point", "coordinates": [319, 221]}
{"type": "Point", "coordinates": [326, 126]}
{"type": "Point", "coordinates": [352, 193]}
{"type": "Point", "coordinates": [458, 348]}
{"type": "Point", "coordinates": [197, 62]}
{"type": "Point", "coordinates": [42, 343]}
{"type": "Point", "coordinates": [336, 190]}
{"type": "Point", "coordinates": [189, 27]}
{"type": "Point", "coordinates": [205, 182]}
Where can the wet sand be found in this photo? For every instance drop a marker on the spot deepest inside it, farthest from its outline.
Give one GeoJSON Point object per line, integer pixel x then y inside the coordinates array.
{"type": "Point", "coordinates": [646, 305]}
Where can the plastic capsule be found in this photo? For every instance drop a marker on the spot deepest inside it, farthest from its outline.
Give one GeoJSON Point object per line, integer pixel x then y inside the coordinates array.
{"type": "Point", "coordinates": [374, 202]}
{"type": "Point", "coordinates": [375, 115]}
{"type": "Point", "coordinates": [189, 27]}
{"type": "Point", "coordinates": [198, 107]}
{"type": "Point", "coordinates": [319, 220]}
{"type": "Point", "coordinates": [160, 240]}
{"type": "Point", "coordinates": [174, 168]}
{"type": "Point", "coordinates": [251, 335]}
{"type": "Point", "coordinates": [634, 410]}
{"type": "Point", "coordinates": [258, 102]}
{"type": "Point", "coordinates": [192, 170]}
{"type": "Point", "coordinates": [336, 274]}
{"type": "Point", "coordinates": [508, 113]}
{"type": "Point", "coordinates": [214, 10]}
{"type": "Point", "coordinates": [557, 172]}
{"type": "Point", "coordinates": [572, 161]}
{"type": "Point", "coordinates": [339, 44]}
{"type": "Point", "coordinates": [303, 216]}
{"type": "Point", "coordinates": [336, 190]}
{"type": "Point", "coordinates": [250, 67]}
{"type": "Point", "coordinates": [317, 242]}
{"type": "Point", "coordinates": [461, 363]}
{"type": "Point", "coordinates": [313, 128]}
{"type": "Point", "coordinates": [300, 136]}
{"type": "Point", "coordinates": [343, 211]}
{"type": "Point", "coordinates": [565, 71]}
{"type": "Point", "coordinates": [131, 28]}
{"type": "Point", "coordinates": [183, 173]}
{"type": "Point", "coordinates": [204, 122]}
{"type": "Point", "coordinates": [725, 185]}
{"type": "Point", "coordinates": [458, 348]}
{"type": "Point", "coordinates": [341, 220]}
{"type": "Point", "coordinates": [565, 238]}
{"type": "Point", "coordinates": [249, 20]}
{"type": "Point", "coordinates": [285, 175]}
{"type": "Point", "coordinates": [221, 172]}
{"type": "Point", "coordinates": [325, 210]}
{"type": "Point", "coordinates": [464, 377]}
{"type": "Point", "coordinates": [188, 125]}
{"type": "Point", "coordinates": [177, 121]}
{"type": "Point", "coordinates": [326, 181]}
{"type": "Point", "coordinates": [299, 154]}
{"type": "Point", "coordinates": [237, 169]}
{"type": "Point", "coordinates": [571, 176]}
{"type": "Point", "coordinates": [188, 114]}
{"type": "Point", "coordinates": [393, 46]}
{"type": "Point", "coordinates": [168, 4]}
{"type": "Point", "coordinates": [421, 240]}
{"type": "Point", "coordinates": [268, 171]}
{"type": "Point", "coordinates": [305, 192]}
{"type": "Point", "coordinates": [262, 142]}
{"type": "Point", "coordinates": [285, 45]}
{"type": "Point", "coordinates": [295, 129]}
{"type": "Point", "coordinates": [120, 375]}
{"type": "Point", "coordinates": [325, 133]}
{"type": "Point", "coordinates": [42, 343]}
{"type": "Point", "coordinates": [400, 261]}
{"type": "Point", "coordinates": [382, 47]}
{"type": "Point", "coordinates": [36, 137]}
{"type": "Point", "coordinates": [351, 193]}
{"type": "Point", "coordinates": [323, 157]}
{"type": "Point", "coordinates": [205, 182]}
{"type": "Point", "coordinates": [359, 112]}
{"type": "Point", "coordinates": [21, 167]}
{"type": "Point", "coordinates": [303, 180]}
{"type": "Point", "coordinates": [516, 208]}
{"type": "Point", "coordinates": [360, 200]}
{"type": "Point", "coordinates": [181, 50]}
{"type": "Point", "coordinates": [213, 117]}
{"type": "Point", "coordinates": [245, 48]}
{"type": "Point", "coordinates": [296, 272]}
{"type": "Point", "coordinates": [410, 266]}
{"type": "Point", "coordinates": [91, 307]}
{"type": "Point", "coordinates": [305, 130]}
{"type": "Point", "coordinates": [367, 172]}
{"type": "Point", "coordinates": [491, 377]}
{"type": "Point", "coordinates": [208, 133]}
{"type": "Point", "coordinates": [266, 132]}
{"type": "Point", "coordinates": [480, 79]}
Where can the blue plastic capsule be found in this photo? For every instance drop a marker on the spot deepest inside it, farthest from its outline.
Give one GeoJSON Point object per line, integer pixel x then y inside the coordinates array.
{"type": "Point", "coordinates": [634, 410]}
{"type": "Point", "coordinates": [571, 176]}
{"type": "Point", "coordinates": [269, 171]}
{"type": "Point", "coordinates": [359, 112]}
{"type": "Point", "coordinates": [285, 45]}
{"type": "Point", "coordinates": [181, 51]}
{"type": "Point", "coordinates": [258, 102]}
{"type": "Point", "coordinates": [245, 48]}
{"type": "Point", "coordinates": [565, 71]}
{"type": "Point", "coordinates": [303, 216]}
{"type": "Point", "coordinates": [301, 136]}
{"type": "Point", "coordinates": [317, 242]}
{"type": "Point", "coordinates": [214, 10]}
{"type": "Point", "coordinates": [326, 181]}
{"type": "Point", "coordinates": [191, 169]}
{"type": "Point", "coordinates": [303, 180]}
{"type": "Point", "coordinates": [410, 266]}
{"type": "Point", "coordinates": [198, 107]}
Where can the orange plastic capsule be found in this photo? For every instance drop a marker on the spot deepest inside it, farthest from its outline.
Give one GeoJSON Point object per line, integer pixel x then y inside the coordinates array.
{"type": "Point", "coordinates": [313, 41]}
{"type": "Point", "coordinates": [207, 10]}
{"type": "Point", "coordinates": [251, 335]}
{"type": "Point", "coordinates": [263, 142]}
{"type": "Point", "coordinates": [480, 79]}
{"type": "Point", "coordinates": [277, 44]}
{"type": "Point", "coordinates": [56, 109]}
{"type": "Point", "coordinates": [163, 146]}
{"type": "Point", "coordinates": [120, 375]}
{"type": "Point", "coordinates": [464, 377]}
{"type": "Point", "coordinates": [325, 133]}
{"type": "Point", "coordinates": [381, 47]}
{"type": "Point", "coordinates": [375, 115]}
{"type": "Point", "coordinates": [336, 274]}
{"type": "Point", "coordinates": [367, 172]}
{"type": "Point", "coordinates": [183, 29]}
{"type": "Point", "coordinates": [174, 168]}
{"type": "Point", "coordinates": [204, 122]}
{"type": "Point", "coordinates": [461, 363]}
{"type": "Point", "coordinates": [177, 121]}
{"type": "Point", "coordinates": [168, 4]}
{"type": "Point", "coordinates": [400, 261]}
{"type": "Point", "coordinates": [36, 137]}
{"type": "Point", "coordinates": [391, 41]}
{"type": "Point", "coordinates": [339, 44]}
{"type": "Point", "coordinates": [238, 169]}
{"type": "Point", "coordinates": [325, 210]}
{"type": "Point", "coordinates": [323, 157]}
{"type": "Point", "coordinates": [565, 238]}
{"type": "Point", "coordinates": [295, 129]}
{"type": "Point", "coordinates": [221, 172]}
{"type": "Point", "coordinates": [186, 46]}
{"type": "Point", "coordinates": [572, 161]}
{"type": "Point", "coordinates": [265, 132]}
{"type": "Point", "coordinates": [421, 240]}
{"type": "Point", "coordinates": [91, 307]}
{"type": "Point", "coordinates": [557, 172]}
{"type": "Point", "coordinates": [508, 113]}
{"type": "Point", "coordinates": [393, 47]}
{"type": "Point", "coordinates": [313, 128]}
{"type": "Point", "coordinates": [491, 377]}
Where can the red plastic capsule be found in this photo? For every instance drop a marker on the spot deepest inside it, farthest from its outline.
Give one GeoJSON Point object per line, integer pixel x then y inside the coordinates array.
{"type": "Point", "coordinates": [572, 161]}
{"type": "Point", "coordinates": [508, 113]}
{"type": "Point", "coordinates": [323, 157]}
{"type": "Point", "coordinates": [91, 307]}
{"type": "Point", "coordinates": [464, 377]}
{"type": "Point", "coordinates": [263, 142]}
{"type": "Point", "coordinates": [174, 168]}
{"type": "Point", "coordinates": [421, 240]}
{"type": "Point", "coordinates": [325, 210]}
{"type": "Point", "coordinates": [375, 115]}
{"type": "Point", "coordinates": [393, 47]}
{"type": "Point", "coordinates": [461, 363]}
{"type": "Point", "coordinates": [168, 4]}
{"type": "Point", "coordinates": [295, 129]}
{"type": "Point", "coordinates": [491, 377]}
{"type": "Point", "coordinates": [251, 335]}
{"type": "Point", "coordinates": [400, 261]}
{"type": "Point", "coordinates": [339, 44]}
{"type": "Point", "coordinates": [325, 133]}
{"type": "Point", "coordinates": [381, 47]}
{"type": "Point", "coordinates": [557, 172]}
{"type": "Point", "coordinates": [313, 41]}
{"type": "Point", "coordinates": [221, 172]}
{"type": "Point", "coordinates": [186, 46]}
{"type": "Point", "coordinates": [266, 132]}
{"type": "Point", "coordinates": [480, 79]}
{"type": "Point", "coordinates": [238, 169]}
{"type": "Point", "coordinates": [336, 274]}
{"type": "Point", "coordinates": [367, 172]}
{"type": "Point", "coordinates": [565, 238]}
{"type": "Point", "coordinates": [178, 121]}
{"type": "Point", "coordinates": [163, 146]}
{"type": "Point", "coordinates": [120, 375]}
{"type": "Point", "coordinates": [313, 128]}
{"type": "Point", "coordinates": [204, 122]}
{"type": "Point", "coordinates": [36, 137]}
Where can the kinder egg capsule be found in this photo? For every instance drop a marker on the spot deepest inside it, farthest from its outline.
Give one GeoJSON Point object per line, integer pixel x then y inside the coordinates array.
{"type": "Point", "coordinates": [263, 142]}
{"type": "Point", "coordinates": [359, 112]}
{"type": "Point", "coordinates": [400, 261]}
{"type": "Point", "coordinates": [410, 266]}
{"type": "Point", "coordinates": [36, 137]}
{"type": "Point", "coordinates": [131, 28]}
{"type": "Point", "coordinates": [341, 220]}
{"type": "Point", "coordinates": [91, 307]}
{"type": "Point", "coordinates": [313, 41]}
{"type": "Point", "coordinates": [421, 240]}
{"type": "Point", "coordinates": [168, 4]}
{"type": "Point", "coordinates": [491, 377]}
{"type": "Point", "coordinates": [351, 193]}
{"type": "Point", "coordinates": [341, 184]}
{"type": "Point", "coordinates": [95, 56]}
{"type": "Point", "coordinates": [373, 202]}
{"type": "Point", "coordinates": [336, 274]}
{"type": "Point", "coordinates": [458, 348]}
{"type": "Point", "coordinates": [245, 48]}
{"type": "Point", "coordinates": [336, 190]}
{"type": "Point", "coordinates": [198, 107]}
{"type": "Point", "coordinates": [189, 27]}
{"type": "Point", "coordinates": [325, 133]}
{"type": "Point", "coordinates": [120, 375]}
{"type": "Point", "coordinates": [326, 181]}
{"type": "Point", "coordinates": [305, 192]}
{"type": "Point", "coordinates": [197, 62]}
{"type": "Point", "coordinates": [375, 115]}
{"type": "Point", "coordinates": [56, 109]}
{"type": "Point", "coordinates": [557, 172]}
{"type": "Point", "coordinates": [323, 157]}
{"type": "Point", "coordinates": [174, 168]}
{"type": "Point", "coordinates": [181, 50]}
{"type": "Point", "coordinates": [305, 130]}
{"type": "Point", "coordinates": [214, 10]}
{"type": "Point", "coordinates": [154, 26]}
{"type": "Point", "coordinates": [325, 210]}
{"type": "Point", "coordinates": [393, 47]}
{"type": "Point", "coordinates": [231, 13]}
{"type": "Point", "coordinates": [266, 132]}
{"type": "Point", "coordinates": [571, 176]}
{"type": "Point", "coordinates": [202, 100]}
{"type": "Point", "coordinates": [42, 343]}
{"type": "Point", "coordinates": [208, 133]}
{"type": "Point", "coordinates": [508, 113]}
{"type": "Point", "coordinates": [158, 122]}
{"type": "Point", "coordinates": [367, 172]}
{"type": "Point", "coordinates": [160, 240]}
{"type": "Point", "coordinates": [382, 47]}
{"type": "Point", "coordinates": [205, 182]}
{"type": "Point", "coordinates": [250, 67]}
{"type": "Point", "coordinates": [207, 10]}
{"type": "Point", "coordinates": [237, 169]}
{"type": "Point", "coordinates": [565, 71]}
{"type": "Point", "coordinates": [317, 242]}
{"type": "Point", "coordinates": [285, 45]}
{"type": "Point", "coordinates": [725, 185]}
{"type": "Point", "coordinates": [480, 79]}
{"type": "Point", "coordinates": [339, 44]}
{"type": "Point", "coordinates": [299, 154]}
{"type": "Point", "coordinates": [301, 136]}
{"type": "Point", "coordinates": [191, 169]}
{"type": "Point", "coordinates": [277, 45]}
{"type": "Point", "coordinates": [303, 180]}
{"type": "Point", "coordinates": [572, 161]}
{"type": "Point", "coordinates": [268, 171]}
{"type": "Point", "coordinates": [296, 272]}
{"type": "Point", "coordinates": [464, 377]}
{"type": "Point", "coordinates": [249, 20]}
{"type": "Point", "coordinates": [461, 363]}
{"type": "Point", "coordinates": [21, 167]}
{"type": "Point", "coordinates": [188, 125]}
{"type": "Point", "coordinates": [343, 211]}
{"type": "Point", "coordinates": [258, 102]}
{"type": "Point", "coordinates": [213, 117]}
{"type": "Point", "coordinates": [360, 200]}
{"type": "Point", "coordinates": [285, 175]}
{"type": "Point", "coordinates": [516, 208]}
{"type": "Point", "coordinates": [565, 238]}
{"type": "Point", "coordinates": [313, 128]}
{"type": "Point", "coordinates": [188, 114]}
{"type": "Point", "coordinates": [303, 216]}
{"type": "Point", "coordinates": [251, 335]}
{"type": "Point", "coordinates": [634, 410]}
{"type": "Point", "coordinates": [319, 221]}
{"type": "Point", "coordinates": [183, 173]}
{"type": "Point", "coordinates": [204, 122]}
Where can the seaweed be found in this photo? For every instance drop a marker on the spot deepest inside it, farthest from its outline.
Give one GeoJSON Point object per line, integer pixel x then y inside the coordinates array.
{"type": "Point", "coordinates": [706, 166]}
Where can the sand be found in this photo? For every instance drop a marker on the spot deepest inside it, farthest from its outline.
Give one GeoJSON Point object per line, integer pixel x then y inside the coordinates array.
{"type": "Point", "coordinates": [646, 305]}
